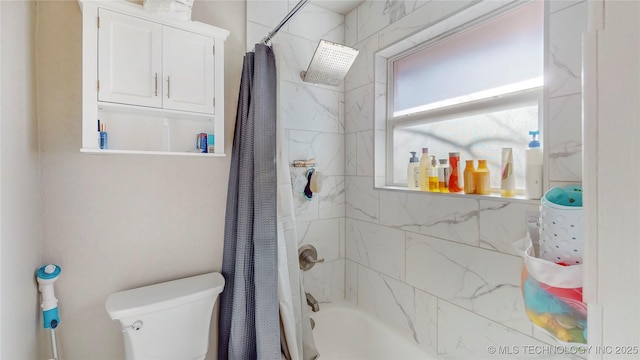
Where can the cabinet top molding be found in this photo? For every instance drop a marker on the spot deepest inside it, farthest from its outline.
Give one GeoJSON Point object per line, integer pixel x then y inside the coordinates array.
{"type": "Point", "coordinates": [137, 10]}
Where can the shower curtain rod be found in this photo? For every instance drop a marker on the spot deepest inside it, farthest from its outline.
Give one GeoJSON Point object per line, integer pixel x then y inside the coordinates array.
{"type": "Point", "coordinates": [286, 19]}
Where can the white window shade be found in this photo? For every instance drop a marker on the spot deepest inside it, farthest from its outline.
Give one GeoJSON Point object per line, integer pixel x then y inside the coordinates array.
{"type": "Point", "coordinates": [497, 57]}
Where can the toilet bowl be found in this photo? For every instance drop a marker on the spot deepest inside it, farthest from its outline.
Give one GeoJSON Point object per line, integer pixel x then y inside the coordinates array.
{"type": "Point", "coordinates": [169, 320]}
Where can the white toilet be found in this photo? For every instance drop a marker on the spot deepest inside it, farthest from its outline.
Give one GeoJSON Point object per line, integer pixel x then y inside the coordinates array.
{"type": "Point", "coordinates": [169, 320]}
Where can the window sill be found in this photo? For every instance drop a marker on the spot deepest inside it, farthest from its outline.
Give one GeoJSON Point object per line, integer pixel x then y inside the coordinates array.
{"type": "Point", "coordinates": [519, 198]}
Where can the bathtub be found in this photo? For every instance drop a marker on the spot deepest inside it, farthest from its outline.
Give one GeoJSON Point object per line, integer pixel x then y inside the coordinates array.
{"type": "Point", "coordinates": [343, 332]}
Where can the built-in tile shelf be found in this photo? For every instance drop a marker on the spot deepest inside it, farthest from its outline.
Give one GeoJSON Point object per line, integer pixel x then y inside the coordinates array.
{"type": "Point", "coordinates": [493, 196]}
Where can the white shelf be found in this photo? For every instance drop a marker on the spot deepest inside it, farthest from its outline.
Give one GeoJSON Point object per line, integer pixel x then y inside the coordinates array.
{"type": "Point", "coordinates": [137, 152]}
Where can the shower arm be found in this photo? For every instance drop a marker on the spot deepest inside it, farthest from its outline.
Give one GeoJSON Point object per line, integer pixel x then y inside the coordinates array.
{"type": "Point", "coordinates": [286, 19]}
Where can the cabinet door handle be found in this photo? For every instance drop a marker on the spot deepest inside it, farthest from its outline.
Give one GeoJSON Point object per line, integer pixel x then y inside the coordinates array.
{"type": "Point", "coordinates": [155, 79]}
{"type": "Point", "coordinates": [168, 87]}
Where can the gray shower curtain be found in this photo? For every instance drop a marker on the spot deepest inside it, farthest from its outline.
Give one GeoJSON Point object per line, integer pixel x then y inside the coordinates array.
{"type": "Point", "coordinates": [248, 325]}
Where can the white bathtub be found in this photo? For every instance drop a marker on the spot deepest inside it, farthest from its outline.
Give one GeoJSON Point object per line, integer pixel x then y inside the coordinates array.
{"type": "Point", "coordinates": [343, 332]}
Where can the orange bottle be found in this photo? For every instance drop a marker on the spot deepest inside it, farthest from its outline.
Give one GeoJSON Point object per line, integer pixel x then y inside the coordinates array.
{"type": "Point", "coordinates": [454, 178]}
{"type": "Point", "coordinates": [482, 178]}
{"type": "Point", "coordinates": [469, 181]}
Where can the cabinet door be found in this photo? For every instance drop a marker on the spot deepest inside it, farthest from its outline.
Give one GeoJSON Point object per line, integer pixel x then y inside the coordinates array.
{"type": "Point", "coordinates": [188, 71]}
{"type": "Point", "coordinates": [129, 60]}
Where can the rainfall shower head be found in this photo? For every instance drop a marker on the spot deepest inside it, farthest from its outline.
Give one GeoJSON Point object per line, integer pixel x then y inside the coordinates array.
{"type": "Point", "coordinates": [329, 64]}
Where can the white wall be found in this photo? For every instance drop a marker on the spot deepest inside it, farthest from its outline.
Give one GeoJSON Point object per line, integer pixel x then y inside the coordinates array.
{"type": "Point", "coordinates": [20, 198]}
{"type": "Point", "coordinates": [119, 222]}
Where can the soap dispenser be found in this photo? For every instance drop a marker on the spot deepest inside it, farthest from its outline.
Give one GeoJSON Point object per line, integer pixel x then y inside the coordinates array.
{"type": "Point", "coordinates": [413, 172]}
{"type": "Point", "coordinates": [533, 168]}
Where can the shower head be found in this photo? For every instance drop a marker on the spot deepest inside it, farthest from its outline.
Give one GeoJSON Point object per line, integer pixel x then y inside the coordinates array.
{"type": "Point", "coordinates": [329, 64]}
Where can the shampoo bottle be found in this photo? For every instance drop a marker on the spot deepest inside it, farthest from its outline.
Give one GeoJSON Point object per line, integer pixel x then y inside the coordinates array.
{"type": "Point", "coordinates": [482, 178]}
{"type": "Point", "coordinates": [413, 172]}
{"type": "Point", "coordinates": [533, 168]}
{"type": "Point", "coordinates": [469, 178]}
{"type": "Point", "coordinates": [424, 170]}
{"type": "Point", "coordinates": [433, 175]}
{"type": "Point", "coordinates": [443, 175]}
{"type": "Point", "coordinates": [507, 177]}
{"type": "Point", "coordinates": [454, 178]}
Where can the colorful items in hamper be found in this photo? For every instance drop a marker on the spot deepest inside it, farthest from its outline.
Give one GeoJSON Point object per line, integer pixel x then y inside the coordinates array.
{"type": "Point", "coordinates": [559, 311]}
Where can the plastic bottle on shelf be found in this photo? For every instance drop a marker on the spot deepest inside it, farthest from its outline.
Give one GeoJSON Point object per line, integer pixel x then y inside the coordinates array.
{"type": "Point", "coordinates": [483, 178]}
{"type": "Point", "coordinates": [469, 180]}
{"type": "Point", "coordinates": [443, 175]}
{"type": "Point", "coordinates": [454, 178]}
{"type": "Point", "coordinates": [433, 175]}
{"type": "Point", "coordinates": [424, 170]}
{"type": "Point", "coordinates": [413, 172]}
{"type": "Point", "coordinates": [507, 176]}
{"type": "Point", "coordinates": [533, 168]}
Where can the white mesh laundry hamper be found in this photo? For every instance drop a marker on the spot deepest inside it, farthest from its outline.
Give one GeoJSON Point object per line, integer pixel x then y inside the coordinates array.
{"type": "Point", "coordinates": [561, 233]}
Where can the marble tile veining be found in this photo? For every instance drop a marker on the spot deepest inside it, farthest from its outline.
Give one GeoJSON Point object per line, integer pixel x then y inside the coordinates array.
{"type": "Point", "coordinates": [326, 148]}
{"type": "Point", "coordinates": [482, 281]}
{"type": "Point", "coordinates": [324, 235]}
{"type": "Point", "coordinates": [325, 281]}
{"type": "Point", "coordinates": [311, 108]}
{"type": "Point", "coordinates": [565, 138]}
{"type": "Point", "coordinates": [362, 201]}
{"type": "Point", "coordinates": [364, 153]}
{"type": "Point", "coordinates": [361, 72]}
{"type": "Point", "coordinates": [350, 143]}
{"type": "Point", "coordinates": [451, 218]}
{"type": "Point", "coordinates": [377, 247]}
{"type": "Point", "coordinates": [359, 109]}
{"type": "Point", "coordinates": [410, 311]}
{"type": "Point", "coordinates": [465, 335]}
{"type": "Point", "coordinates": [564, 76]}
{"type": "Point", "coordinates": [331, 197]}
{"type": "Point", "coordinates": [314, 22]}
{"type": "Point", "coordinates": [502, 223]}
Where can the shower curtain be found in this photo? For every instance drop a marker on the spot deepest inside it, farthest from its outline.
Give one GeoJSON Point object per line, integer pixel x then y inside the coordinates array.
{"type": "Point", "coordinates": [260, 261]}
{"type": "Point", "coordinates": [249, 319]}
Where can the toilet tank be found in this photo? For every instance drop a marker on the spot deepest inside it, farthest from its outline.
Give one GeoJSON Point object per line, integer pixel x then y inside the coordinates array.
{"type": "Point", "coordinates": [168, 320]}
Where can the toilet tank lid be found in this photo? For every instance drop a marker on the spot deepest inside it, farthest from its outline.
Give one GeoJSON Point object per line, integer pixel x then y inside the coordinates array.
{"type": "Point", "coordinates": [163, 295]}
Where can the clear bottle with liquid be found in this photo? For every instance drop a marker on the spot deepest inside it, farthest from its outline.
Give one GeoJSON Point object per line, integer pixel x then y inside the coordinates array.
{"type": "Point", "coordinates": [482, 178]}
{"type": "Point", "coordinates": [413, 172]}
{"type": "Point", "coordinates": [433, 175]}
{"type": "Point", "coordinates": [424, 170]}
{"type": "Point", "coordinates": [444, 171]}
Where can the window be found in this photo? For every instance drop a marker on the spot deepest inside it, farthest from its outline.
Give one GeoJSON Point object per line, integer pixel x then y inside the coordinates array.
{"type": "Point", "coordinates": [474, 90]}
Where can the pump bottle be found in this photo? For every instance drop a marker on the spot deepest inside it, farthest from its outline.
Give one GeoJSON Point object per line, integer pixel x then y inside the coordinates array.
{"type": "Point", "coordinates": [424, 170]}
{"type": "Point", "coordinates": [533, 168]}
{"type": "Point", "coordinates": [413, 172]}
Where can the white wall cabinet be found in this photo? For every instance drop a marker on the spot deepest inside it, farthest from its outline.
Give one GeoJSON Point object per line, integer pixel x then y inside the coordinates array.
{"type": "Point", "coordinates": [154, 83]}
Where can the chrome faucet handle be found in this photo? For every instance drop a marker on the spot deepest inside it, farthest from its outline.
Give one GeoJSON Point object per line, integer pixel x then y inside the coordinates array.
{"type": "Point", "coordinates": [308, 256]}
{"type": "Point", "coordinates": [309, 259]}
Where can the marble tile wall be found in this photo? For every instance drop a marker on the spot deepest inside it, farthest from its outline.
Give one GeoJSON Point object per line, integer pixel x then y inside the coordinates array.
{"type": "Point", "coordinates": [441, 269]}
{"type": "Point", "coordinates": [313, 118]}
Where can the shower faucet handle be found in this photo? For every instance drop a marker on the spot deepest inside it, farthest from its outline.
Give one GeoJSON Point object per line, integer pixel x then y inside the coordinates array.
{"type": "Point", "coordinates": [308, 256]}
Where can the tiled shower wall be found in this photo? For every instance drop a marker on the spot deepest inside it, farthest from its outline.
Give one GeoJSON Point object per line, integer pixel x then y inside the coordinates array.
{"type": "Point", "coordinates": [441, 269]}
{"type": "Point", "coordinates": [313, 119]}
